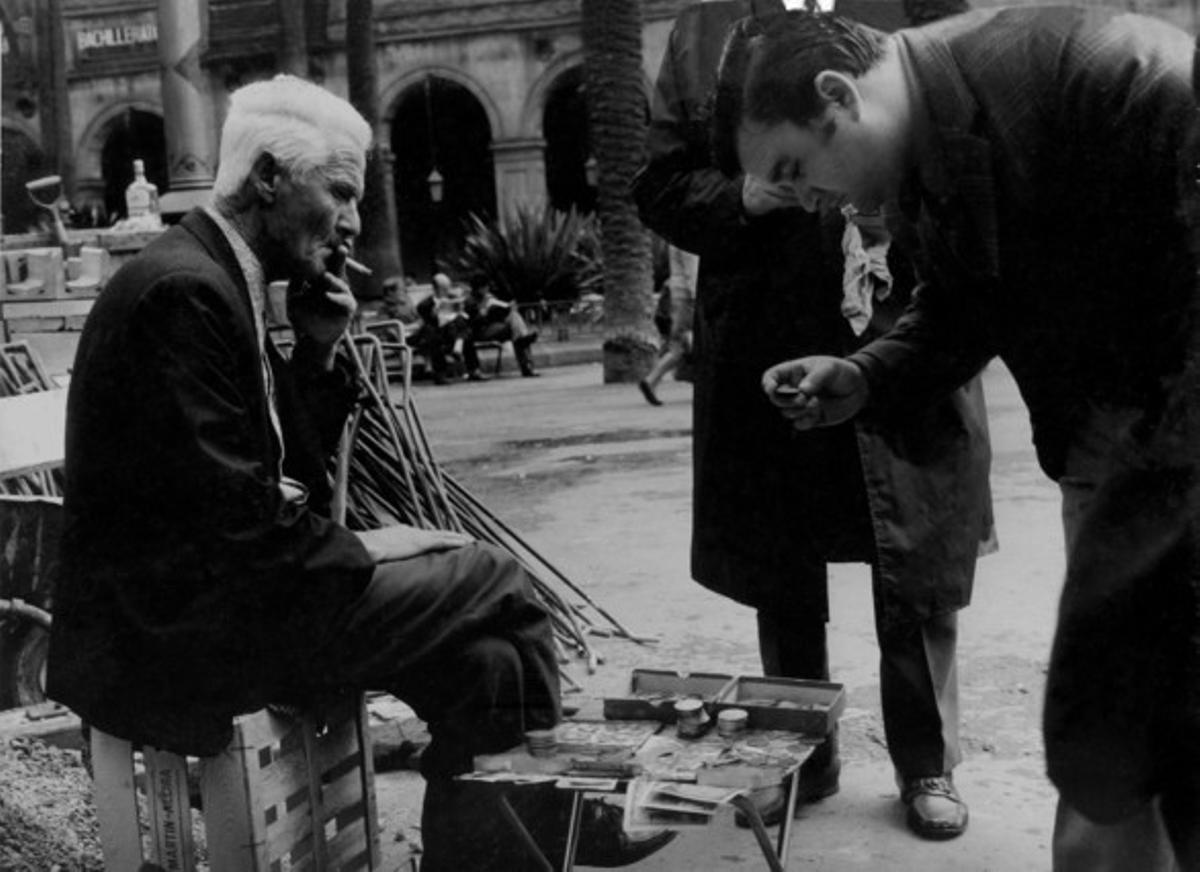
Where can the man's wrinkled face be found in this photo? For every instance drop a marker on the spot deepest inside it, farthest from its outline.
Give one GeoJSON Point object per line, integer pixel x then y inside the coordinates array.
{"type": "Point", "coordinates": [315, 218]}
{"type": "Point", "coordinates": [822, 161]}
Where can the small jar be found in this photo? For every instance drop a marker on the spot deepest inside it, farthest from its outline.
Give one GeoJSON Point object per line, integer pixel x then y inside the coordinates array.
{"type": "Point", "coordinates": [541, 743]}
{"type": "Point", "coordinates": [732, 722]}
{"type": "Point", "coordinates": [691, 720]}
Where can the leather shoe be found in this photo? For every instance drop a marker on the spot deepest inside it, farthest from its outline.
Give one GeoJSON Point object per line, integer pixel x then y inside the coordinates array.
{"type": "Point", "coordinates": [815, 784]}
{"type": "Point", "coordinates": [603, 841]}
{"type": "Point", "coordinates": [935, 810]}
{"type": "Point", "coordinates": [648, 393]}
{"type": "Point", "coordinates": [476, 376]}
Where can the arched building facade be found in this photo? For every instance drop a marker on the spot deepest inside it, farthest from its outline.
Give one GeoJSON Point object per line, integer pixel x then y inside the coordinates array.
{"type": "Point", "coordinates": [487, 93]}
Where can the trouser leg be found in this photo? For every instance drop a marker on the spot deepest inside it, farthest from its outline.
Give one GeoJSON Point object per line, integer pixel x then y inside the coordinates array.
{"type": "Point", "coordinates": [1136, 844]}
{"type": "Point", "coordinates": [792, 642]}
{"type": "Point", "coordinates": [470, 354]}
{"type": "Point", "coordinates": [792, 628]}
{"type": "Point", "coordinates": [1079, 844]}
{"type": "Point", "coordinates": [918, 679]}
{"type": "Point", "coordinates": [461, 637]}
{"type": "Point", "coordinates": [524, 356]}
{"type": "Point", "coordinates": [1181, 803]}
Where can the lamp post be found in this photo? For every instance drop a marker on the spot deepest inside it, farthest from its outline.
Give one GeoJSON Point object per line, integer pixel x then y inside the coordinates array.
{"type": "Point", "coordinates": [436, 185]}
{"type": "Point", "coordinates": [434, 180]}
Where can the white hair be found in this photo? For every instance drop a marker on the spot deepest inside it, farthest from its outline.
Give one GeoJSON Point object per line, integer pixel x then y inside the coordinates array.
{"type": "Point", "coordinates": [303, 126]}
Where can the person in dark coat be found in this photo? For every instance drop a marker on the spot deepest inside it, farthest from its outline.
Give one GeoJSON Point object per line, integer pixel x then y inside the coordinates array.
{"type": "Point", "coordinates": [201, 574]}
{"type": "Point", "coordinates": [907, 493]}
{"type": "Point", "coordinates": [1074, 260]}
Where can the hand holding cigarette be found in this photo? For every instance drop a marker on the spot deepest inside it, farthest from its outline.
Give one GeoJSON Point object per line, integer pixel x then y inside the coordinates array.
{"type": "Point", "coordinates": [321, 310]}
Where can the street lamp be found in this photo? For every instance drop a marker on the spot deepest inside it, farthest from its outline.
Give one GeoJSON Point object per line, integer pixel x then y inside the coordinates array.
{"type": "Point", "coordinates": [434, 179]}
{"type": "Point", "coordinates": [436, 185]}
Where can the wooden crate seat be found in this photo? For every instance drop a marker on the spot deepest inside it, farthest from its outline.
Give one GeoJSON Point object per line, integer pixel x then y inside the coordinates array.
{"type": "Point", "coordinates": [283, 796]}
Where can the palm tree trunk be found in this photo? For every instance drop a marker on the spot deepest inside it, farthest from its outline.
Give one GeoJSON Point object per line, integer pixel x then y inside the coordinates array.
{"type": "Point", "coordinates": [612, 45]}
{"type": "Point", "coordinates": [379, 245]}
{"type": "Point", "coordinates": [293, 42]}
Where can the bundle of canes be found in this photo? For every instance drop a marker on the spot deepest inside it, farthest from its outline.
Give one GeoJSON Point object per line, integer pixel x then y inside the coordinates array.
{"type": "Point", "coordinates": [388, 475]}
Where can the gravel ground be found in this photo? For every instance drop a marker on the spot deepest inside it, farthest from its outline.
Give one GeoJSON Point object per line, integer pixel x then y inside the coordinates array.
{"type": "Point", "coordinates": [47, 818]}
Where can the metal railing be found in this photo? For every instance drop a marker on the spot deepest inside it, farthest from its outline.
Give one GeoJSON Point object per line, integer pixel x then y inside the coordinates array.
{"type": "Point", "coordinates": [562, 320]}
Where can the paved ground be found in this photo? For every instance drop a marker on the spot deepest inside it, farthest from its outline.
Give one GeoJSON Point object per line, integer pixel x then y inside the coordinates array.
{"type": "Point", "coordinates": [600, 483]}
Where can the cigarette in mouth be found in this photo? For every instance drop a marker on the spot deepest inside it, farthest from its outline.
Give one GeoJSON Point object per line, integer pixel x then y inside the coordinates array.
{"type": "Point", "coordinates": [360, 268]}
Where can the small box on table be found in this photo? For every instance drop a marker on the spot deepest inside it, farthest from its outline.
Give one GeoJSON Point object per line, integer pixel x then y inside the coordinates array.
{"type": "Point", "coordinates": [653, 693]}
{"type": "Point", "coordinates": [794, 704]}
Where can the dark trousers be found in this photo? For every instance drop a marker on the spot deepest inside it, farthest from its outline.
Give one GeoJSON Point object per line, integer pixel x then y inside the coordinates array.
{"type": "Point", "coordinates": [1164, 835]}
{"type": "Point", "coordinates": [460, 636]}
{"type": "Point", "coordinates": [437, 342]}
{"type": "Point", "coordinates": [917, 675]}
{"type": "Point", "coordinates": [505, 331]}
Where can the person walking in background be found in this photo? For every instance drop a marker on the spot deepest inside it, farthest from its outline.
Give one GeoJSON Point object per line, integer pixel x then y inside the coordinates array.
{"type": "Point", "coordinates": [496, 320]}
{"type": "Point", "coordinates": [681, 285]}
{"type": "Point", "coordinates": [1072, 259]}
{"type": "Point", "coordinates": [906, 493]}
{"type": "Point", "coordinates": [397, 303]}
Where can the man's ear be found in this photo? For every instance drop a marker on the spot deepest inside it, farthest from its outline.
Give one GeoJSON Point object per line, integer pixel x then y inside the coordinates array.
{"type": "Point", "coordinates": [265, 177]}
{"type": "Point", "coordinates": [838, 91]}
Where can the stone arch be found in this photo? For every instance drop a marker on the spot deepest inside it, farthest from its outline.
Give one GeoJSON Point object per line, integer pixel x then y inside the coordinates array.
{"type": "Point", "coordinates": [391, 96]}
{"type": "Point", "coordinates": [454, 133]}
{"type": "Point", "coordinates": [534, 107]}
{"type": "Point", "coordinates": [535, 100]}
{"type": "Point", "coordinates": [90, 147]}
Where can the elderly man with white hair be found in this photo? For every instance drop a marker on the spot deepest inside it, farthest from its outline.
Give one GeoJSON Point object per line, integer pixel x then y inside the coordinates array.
{"type": "Point", "coordinates": [201, 574]}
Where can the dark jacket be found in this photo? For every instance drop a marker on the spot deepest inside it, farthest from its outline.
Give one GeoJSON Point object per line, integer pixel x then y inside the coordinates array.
{"type": "Point", "coordinates": [188, 584]}
{"type": "Point", "coordinates": [1065, 254]}
{"type": "Point", "coordinates": [910, 490]}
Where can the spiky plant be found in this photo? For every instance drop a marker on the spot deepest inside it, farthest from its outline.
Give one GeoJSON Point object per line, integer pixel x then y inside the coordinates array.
{"type": "Point", "coordinates": [536, 254]}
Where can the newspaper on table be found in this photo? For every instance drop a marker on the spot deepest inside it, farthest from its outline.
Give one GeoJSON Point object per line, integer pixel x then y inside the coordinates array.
{"type": "Point", "coordinates": [651, 804]}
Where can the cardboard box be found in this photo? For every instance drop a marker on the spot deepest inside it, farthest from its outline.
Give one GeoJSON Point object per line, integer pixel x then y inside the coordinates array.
{"type": "Point", "coordinates": [793, 704]}
{"type": "Point", "coordinates": [653, 693]}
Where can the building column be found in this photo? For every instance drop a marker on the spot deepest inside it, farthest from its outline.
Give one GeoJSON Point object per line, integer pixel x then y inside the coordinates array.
{"type": "Point", "coordinates": [187, 105]}
{"type": "Point", "coordinates": [520, 167]}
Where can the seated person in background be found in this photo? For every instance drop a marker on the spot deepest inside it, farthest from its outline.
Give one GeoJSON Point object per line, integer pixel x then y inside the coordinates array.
{"type": "Point", "coordinates": [495, 320]}
{"type": "Point", "coordinates": [397, 303]}
{"type": "Point", "coordinates": [445, 329]}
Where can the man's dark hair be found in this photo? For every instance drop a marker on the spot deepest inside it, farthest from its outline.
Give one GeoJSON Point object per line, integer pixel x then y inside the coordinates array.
{"type": "Point", "coordinates": [768, 66]}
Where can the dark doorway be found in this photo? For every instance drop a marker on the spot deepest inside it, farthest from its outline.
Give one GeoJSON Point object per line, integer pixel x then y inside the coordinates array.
{"type": "Point", "coordinates": [459, 145]}
{"type": "Point", "coordinates": [132, 134]}
{"type": "Point", "coordinates": [565, 128]}
{"type": "Point", "coordinates": [23, 162]}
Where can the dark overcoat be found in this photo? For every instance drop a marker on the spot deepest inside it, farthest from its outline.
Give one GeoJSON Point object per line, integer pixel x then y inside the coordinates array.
{"type": "Point", "coordinates": [771, 506]}
{"type": "Point", "coordinates": [188, 583]}
{"type": "Point", "coordinates": [1047, 204]}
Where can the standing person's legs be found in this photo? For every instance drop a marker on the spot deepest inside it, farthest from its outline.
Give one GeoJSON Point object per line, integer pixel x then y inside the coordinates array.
{"type": "Point", "coordinates": [918, 680]}
{"type": "Point", "coordinates": [1079, 844]}
{"type": "Point", "coordinates": [792, 642]}
{"type": "Point", "coordinates": [471, 358]}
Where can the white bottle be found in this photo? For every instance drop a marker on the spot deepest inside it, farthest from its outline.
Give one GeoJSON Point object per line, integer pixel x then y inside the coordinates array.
{"type": "Point", "coordinates": [141, 197]}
